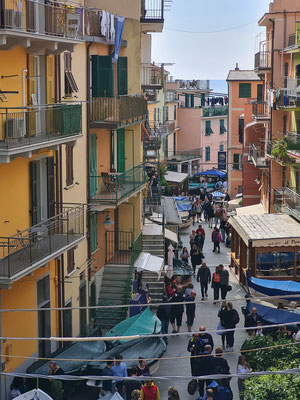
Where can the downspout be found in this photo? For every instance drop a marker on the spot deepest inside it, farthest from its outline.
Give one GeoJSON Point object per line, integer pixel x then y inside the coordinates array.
{"type": "Point", "coordinates": [88, 98]}
{"type": "Point", "coordinates": [271, 119]}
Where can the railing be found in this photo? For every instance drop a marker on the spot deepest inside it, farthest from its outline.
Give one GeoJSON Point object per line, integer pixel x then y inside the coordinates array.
{"type": "Point", "coordinates": [47, 18]}
{"type": "Point", "coordinates": [293, 140]}
{"type": "Point", "coordinates": [292, 40]}
{"type": "Point", "coordinates": [22, 126]}
{"type": "Point", "coordinates": [293, 87]}
{"type": "Point", "coordinates": [117, 109]}
{"type": "Point", "coordinates": [257, 152]}
{"type": "Point", "coordinates": [114, 187]}
{"type": "Point", "coordinates": [269, 148]}
{"type": "Point", "coordinates": [262, 60]}
{"type": "Point", "coordinates": [151, 75]}
{"type": "Point", "coordinates": [35, 245]}
{"type": "Point", "coordinates": [158, 129]}
{"type": "Point", "coordinates": [287, 201]}
{"type": "Point", "coordinates": [152, 10]}
{"type": "Point", "coordinates": [118, 245]}
{"type": "Point", "coordinates": [185, 155]}
{"type": "Point", "coordinates": [260, 109]}
{"type": "Point", "coordinates": [214, 111]}
{"type": "Point", "coordinates": [171, 96]}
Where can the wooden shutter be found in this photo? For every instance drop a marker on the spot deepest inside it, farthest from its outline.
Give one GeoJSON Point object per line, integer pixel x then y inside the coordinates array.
{"type": "Point", "coordinates": [69, 165]}
{"type": "Point", "coordinates": [175, 112]}
{"type": "Point", "coordinates": [186, 100]}
{"type": "Point", "coordinates": [94, 238]}
{"type": "Point", "coordinates": [102, 76]}
{"type": "Point", "coordinates": [192, 100]}
{"type": "Point", "coordinates": [50, 186]}
{"type": "Point", "coordinates": [34, 191]}
{"type": "Point", "coordinates": [245, 90]}
{"type": "Point", "coordinates": [167, 113]}
{"type": "Point", "coordinates": [202, 99]}
{"type": "Point", "coordinates": [260, 93]}
{"type": "Point", "coordinates": [70, 261]}
{"type": "Point", "coordinates": [122, 76]}
{"type": "Point", "coordinates": [154, 113]}
{"type": "Point", "coordinates": [241, 130]}
{"type": "Point", "coordinates": [50, 79]}
{"type": "Point", "coordinates": [70, 83]}
{"type": "Point", "coordinates": [121, 150]}
{"type": "Point", "coordinates": [93, 164]}
{"type": "Point", "coordinates": [236, 161]}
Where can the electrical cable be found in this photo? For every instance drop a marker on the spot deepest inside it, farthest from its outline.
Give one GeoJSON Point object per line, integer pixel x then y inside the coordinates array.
{"type": "Point", "coordinates": [216, 31]}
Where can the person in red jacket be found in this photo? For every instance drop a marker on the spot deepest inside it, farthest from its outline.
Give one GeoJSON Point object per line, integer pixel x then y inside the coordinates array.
{"type": "Point", "coordinates": [150, 391]}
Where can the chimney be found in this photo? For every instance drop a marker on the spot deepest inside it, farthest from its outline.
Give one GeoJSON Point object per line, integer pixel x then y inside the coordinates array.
{"type": "Point", "coordinates": [236, 67]}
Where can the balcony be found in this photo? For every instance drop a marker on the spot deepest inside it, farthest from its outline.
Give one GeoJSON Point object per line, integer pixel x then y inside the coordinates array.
{"type": "Point", "coordinates": [24, 130]}
{"type": "Point", "coordinates": [214, 111]}
{"type": "Point", "coordinates": [292, 40]}
{"type": "Point", "coordinates": [152, 15]}
{"type": "Point", "coordinates": [160, 129]}
{"type": "Point", "coordinates": [116, 112]}
{"type": "Point", "coordinates": [260, 111]}
{"type": "Point", "coordinates": [115, 188]}
{"type": "Point", "coordinates": [257, 155]}
{"type": "Point", "coordinates": [151, 76]}
{"type": "Point", "coordinates": [38, 25]}
{"type": "Point", "coordinates": [184, 155]}
{"type": "Point", "coordinates": [293, 141]}
{"type": "Point", "coordinates": [34, 247]}
{"type": "Point", "coordinates": [287, 201]}
{"type": "Point", "coordinates": [262, 61]}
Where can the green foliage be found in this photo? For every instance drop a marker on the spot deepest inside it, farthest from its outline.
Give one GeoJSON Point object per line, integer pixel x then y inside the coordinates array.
{"type": "Point", "coordinates": [162, 173]}
{"type": "Point", "coordinates": [279, 150]}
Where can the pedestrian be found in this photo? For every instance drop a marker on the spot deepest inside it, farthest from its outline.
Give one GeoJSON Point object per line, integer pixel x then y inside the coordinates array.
{"type": "Point", "coordinates": [195, 347]}
{"type": "Point", "coordinates": [129, 385]}
{"type": "Point", "coordinates": [252, 319]}
{"type": "Point", "coordinates": [218, 214]}
{"type": "Point", "coordinates": [176, 309]}
{"type": "Point", "coordinates": [142, 368]}
{"type": "Point", "coordinates": [56, 385]}
{"type": "Point", "coordinates": [192, 238]}
{"type": "Point", "coordinates": [169, 289]}
{"type": "Point", "coordinates": [202, 195]}
{"type": "Point", "coordinates": [200, 231]}
{"type": "Point", "coordinates": [229, 319]}
{"type": "Point", "coordinates": [204, 277]}
{"type": "Point", "coordinates": [107, 387]}
{"type": "Point", "coordinates": [204, 184]}
{"type": "Point", "coordinates": [188, 290]}
{"type": "Point", "coordinates": [221, 326]}
{"type": "Point", "coordinates": [209, 395]}
{"type": "Point", "coordinates": [150, 391]}
{"type": "Point", "coordinates": [199, 211]}
{"type": "Point", "coordinates": [194, 212]}
{"type": "Point", "coordinates": [215, 284]}
{"type": "Point", "coordinates": [244, 370]}
{"type": "Point", "coordinates": [173, 394]}
{"type": "Point", "coordinates": [296, 335]}
{"type": "Point", "coordinates": [163, 314]}
{"type": "Point", "coordinates": [190, 310]}
{"type": "Point", "coordinates": [222, 229]}
{"type": "Point", "coordinates": [119, 369]}
{"type": "Point", "coordinates": [17, 387]}
{"type": "Point", "coordinates": [211, 215]}
{"type": "Point", "coordinates": [205, 337]}
{"type": "Point", "coordinates": [204, 366]}
{"type": "Point", "coordinates": [224, 281]}
{"type": "Point", "coordinates": [221, 363]}
{"type": "Point", "coordinates": [196, 257]}
{"type": "Point", "coordinates": [216, 238]}
{"type": "Point", "coordinates": [136, 395]}
{"type": "Point", "coordinates": [206, 206]}
{"type": "Point", "coordinates": [185, 255]}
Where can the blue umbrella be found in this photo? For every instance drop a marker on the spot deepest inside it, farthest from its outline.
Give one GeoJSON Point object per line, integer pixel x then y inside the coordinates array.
{"type": "Point", "coordinates": [212, 173]}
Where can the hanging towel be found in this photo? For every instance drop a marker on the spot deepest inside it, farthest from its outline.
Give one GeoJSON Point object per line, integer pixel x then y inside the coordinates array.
{"type": "Point", "coordinates": [104, 23]}
{"type": "Point", "coordinates": [112, 32]}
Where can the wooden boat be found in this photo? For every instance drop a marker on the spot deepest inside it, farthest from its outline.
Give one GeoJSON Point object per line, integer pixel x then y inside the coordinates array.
{"type": "Point", "coordinates": [185, 220]}
{"type": "Point", "coordinates": [34, 394]}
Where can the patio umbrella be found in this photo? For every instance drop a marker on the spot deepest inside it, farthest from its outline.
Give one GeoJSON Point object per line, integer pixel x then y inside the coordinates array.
{"type": "Point", "coordinates": [169, 271]}
{"type": "Point", "coordinates": [218, 194]}
{"type": "Point", "coordinates": [212, 173]}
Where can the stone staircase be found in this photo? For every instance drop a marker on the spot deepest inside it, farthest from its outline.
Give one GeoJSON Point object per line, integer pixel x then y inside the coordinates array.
{"type": "Point", "coordinates": [112, 292]}
{"type": "Point", "coordinates": [154, 244]}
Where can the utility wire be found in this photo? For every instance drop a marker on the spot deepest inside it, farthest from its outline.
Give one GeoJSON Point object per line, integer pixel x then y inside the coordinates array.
{"type": "Point", "coordinates": [216, 31]}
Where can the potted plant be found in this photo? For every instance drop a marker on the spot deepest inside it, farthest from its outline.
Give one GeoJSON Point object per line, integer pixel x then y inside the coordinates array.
{"type": "Point", "coordinates": [279, 151]}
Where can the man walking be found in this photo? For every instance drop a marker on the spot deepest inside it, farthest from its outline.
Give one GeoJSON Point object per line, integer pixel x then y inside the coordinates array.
{"type": "Point", "coordinates": [229, 319]}
{"type": "Point", "coordinates": [190, 310]}
{"type": "Point", "coordinates": [119, 369]}
{"type": "Point", "coordinates": [252, 320]}
{"type": "Point", "coordinates": [195, 347]}
{"type": "Point", "coordinates": [216, 239]}
{"type": "Point", "coordinates": [224, 281]}
{"type": "Point", "coordinates": [204, 277]}
{"type": "Point", "coordinates": [176, 309]}
{"type": "Point", "coordinates": [163, 314]}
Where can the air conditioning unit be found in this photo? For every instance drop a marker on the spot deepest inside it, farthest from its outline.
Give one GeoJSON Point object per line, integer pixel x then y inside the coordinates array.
{"type": "Point", "coordinates": [15, 128]}
{"type": "Point", "coordinates": [14, 19]}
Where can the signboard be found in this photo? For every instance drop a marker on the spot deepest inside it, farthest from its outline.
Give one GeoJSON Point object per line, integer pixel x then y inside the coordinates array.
{"type": "Point", "coordinates": [222, 160]}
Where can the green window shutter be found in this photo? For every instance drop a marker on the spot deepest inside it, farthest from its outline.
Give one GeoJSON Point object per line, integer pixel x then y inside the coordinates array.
{"type": "Point", "coordinates": [286, 73]}
{"type": "Point", "coordinates": [202, 99]}
{"type": "Point", "coordinates": [221, 147]}
{"type": "Point", "coordinates": [284, 124]}
{"type": "Point", "coordinates": [122, 76]}
{"type": "Point", "coordinates": [207, 153]}
{"type": "Point", "coordinates": [175, 112]}
{"type": "Point", "coordinates": [241, 130]}
{"type": "Point", "coordinates": [186, 100]}
{"type": "Point", "coordinates": [260, 93]}
{"type": "Point", "coordinates": [94, 236]}
{"type": "Point", "coordinates": [50, 187]}
{"type": "Point", "coordinates": [222, 126]}
{"type": "Point", "coordinates": [34, 191]}
{"type": "Point", "coordinates": [208, 129]}
{"type": "Point", "coordinates": [236, 161]}
{"type": "Point", "coordinates": [121, 150]}
{"type": "Point", "coordinates": [167, 113]}
{"type": "Point", "coordinates": [93, 164]}
{"type": "Point", "coordinates": [192, 100]}
{"type": "Point", "coordinates": [102, 76]}
{"type": "Point", "coordinates": [245, 90]}
{"type": "Point", "coordinates": [155, 114]}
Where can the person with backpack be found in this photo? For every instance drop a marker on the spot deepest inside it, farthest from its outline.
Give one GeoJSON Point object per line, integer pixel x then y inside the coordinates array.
{"type": "Point", "coordinates": [216, 239]}
{"type": "Point", "coordinates": [229, 319]}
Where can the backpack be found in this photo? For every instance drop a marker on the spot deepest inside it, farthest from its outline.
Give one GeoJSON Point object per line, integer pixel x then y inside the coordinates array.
{"type": "Point", "coordinates": [236, 317]}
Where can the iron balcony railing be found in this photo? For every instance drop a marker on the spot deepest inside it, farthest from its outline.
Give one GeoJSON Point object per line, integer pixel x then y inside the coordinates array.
{"type": "Point", "coordinates": [287, 201]}
{"type": "Point", "coordinates": [269, 148]}
{"type": "Point", "coordinates": [257, 153]}
{"type": "Point", "coordinates": [293, 140]}
{"type": "Point", "coordinates": [260, 109]}
{"type": "Point", "coordinates": [214, 111]}
{"type": "Point", "coordinates": [118, 110]}
{"type": "Point", "coordinates": [262, 60]}
{"type": "Point", "coordinates": [160, 129]}
{"type": "Point", "coordinates": [23, 126]}
{"type": "Point", "coordinates": [184, 155]}
{"type": "Point", "coordinates": [113, 187]}
{"type": "Point", "coordinates": [292, 40]}
{"type": "Point", "coordinates": [152, 10]}
{"type": "Point", "coordinates": [151, 76]}
{"type": "Point", "coordinates": [118, 246]}
{"type": "Point", "coordinates": [37, 245]}
{"type": "Point", "coordinates": [293, 88]}
{"type": "Point", "coordinates": [62, 20]}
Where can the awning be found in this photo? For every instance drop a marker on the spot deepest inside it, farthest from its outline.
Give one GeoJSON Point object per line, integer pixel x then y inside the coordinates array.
{"type": "Point", "coordinates": [273, 316]}
{"type": "Point", "coordinates": [171, 236]}
{"type": "Point", "coordinates": [176, 177]}
{"type": "Point", "coordinates": [256, 209]}
{"type": "Point", "coordinates": [147, 262]}
{"type": "Point", "coordinates": [171, 211]}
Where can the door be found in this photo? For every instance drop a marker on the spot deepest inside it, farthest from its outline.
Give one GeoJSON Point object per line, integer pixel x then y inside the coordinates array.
{"type": "Point", "coordinates": [44, 317]}
{"type": "Point", "coordinates": [121, 150]}
{"type": "Point", "coordinates": [82, 314]}
{"type": "Point", "coordinates": [93, 165]}
{"type": "Point", "coordinates": [122, 76]}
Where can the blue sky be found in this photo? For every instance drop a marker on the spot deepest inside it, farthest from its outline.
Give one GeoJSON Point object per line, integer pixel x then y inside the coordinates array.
{"type": "Point", "coordinates": [209, 55]}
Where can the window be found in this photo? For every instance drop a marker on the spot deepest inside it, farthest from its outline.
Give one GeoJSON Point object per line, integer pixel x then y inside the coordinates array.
{"type": "Point", "coordinates": [202, 99]}
{"type": "Point", "coordinates": [175, 112]}
{"type": "Point", "coordinates": [284, 122]}
{"type": "Point", "coordinates": [241, 130]}
{"type": "Point", "coordinates": [70, 84]}
{"type": "Point", "coordinates": [275, 263]}
{"type": "Point", "coordinates": [69, 165]}
{"type": "Point", "coordinates": [167, 113]}
{"type": "Point", "coordinates": [208, 130]}
{"type": "Point", "coordinates": [259, 92]}
{"type": "Point", "coordinates": [102, 76]}
{"type": "Point", "coordinates": [244, 90]}
{"type": "Point", "coordinates": [236, 161]}
{"type": "Point", "coordinates": [70, 261]}
{"type": "Point", "coordinates": [286, 73]}
{"type": "Point", "coordinates": [221, 147]}
{"type": "Point", "coordinates": [94, 238]}
{"type": "Point", "coordinates": [207, 153]}
{"type": "Point", "coordinates": [222, 126]}
{"type": "Point", "coordinates": [122, 76]}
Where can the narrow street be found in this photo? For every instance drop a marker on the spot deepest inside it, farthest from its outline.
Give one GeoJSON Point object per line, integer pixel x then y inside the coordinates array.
{"type": "Point", "coordinates": [206, 314]}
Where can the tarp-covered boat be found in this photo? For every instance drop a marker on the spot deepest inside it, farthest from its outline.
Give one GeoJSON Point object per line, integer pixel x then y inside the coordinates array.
{"type": "Point", "coordinates": [271, 287]}
{"type": "Point", "coordinates": [145, 323]}
{"type": "Point", "coordinates": [273, 315]}
{"type": "Point", "coordinates": [181, 268]}
{"type": "Point", "coordinates": [34, 394]}
{"type": "Point", "coordinates": [112, 396]}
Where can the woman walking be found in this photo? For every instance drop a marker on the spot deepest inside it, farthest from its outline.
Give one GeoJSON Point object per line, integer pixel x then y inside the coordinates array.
{"type": "Point", "coordinates": [230, 318]}
{"type": "Point", "coordinates": [185, 255]}
{"type": "Point", "coordinates": [223, 334]}
{"type": "Point", "coordinates": [243, 370]}
{"type": "Point", "coordinates": [215, 284]}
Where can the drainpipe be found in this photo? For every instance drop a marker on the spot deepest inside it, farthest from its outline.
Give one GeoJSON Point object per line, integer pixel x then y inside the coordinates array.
{"type": "Point", "coordinates": [271, 119]}
{"type": "Point", "coordinates": [24, 72]}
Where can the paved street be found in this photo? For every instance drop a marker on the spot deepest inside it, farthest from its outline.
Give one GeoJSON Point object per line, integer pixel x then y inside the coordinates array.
{"type": "Point", "coordinates": [206, 314]}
